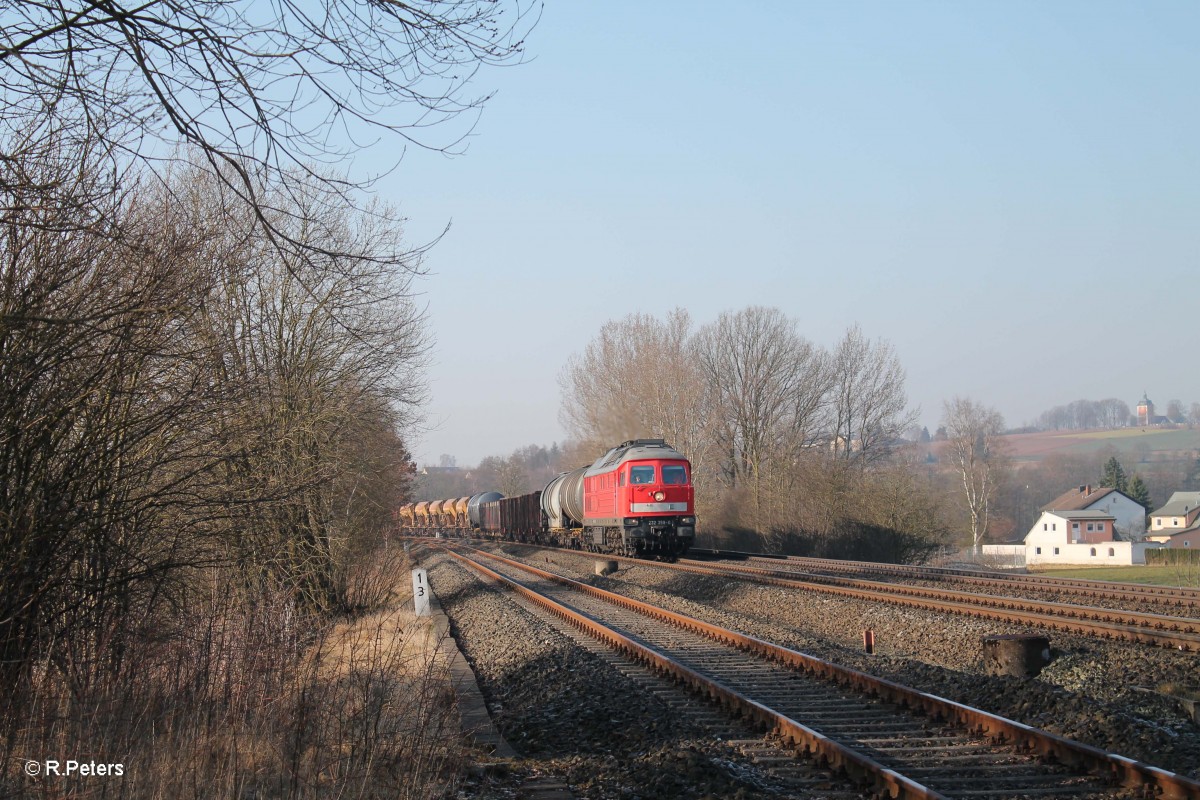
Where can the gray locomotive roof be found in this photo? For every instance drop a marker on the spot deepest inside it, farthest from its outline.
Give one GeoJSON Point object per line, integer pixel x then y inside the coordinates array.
{"type": "Point", "coordinates": [634, 450]}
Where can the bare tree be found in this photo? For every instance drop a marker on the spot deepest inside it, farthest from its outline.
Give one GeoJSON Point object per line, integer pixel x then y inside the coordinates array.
{"type": "Point", "coordinates": [261, 90]}
{"type": "Point", "coordinates": [96, 413]}
{"type": "Point", "coordinates": [639, 377]}
{"type": "Point", "coordinates": [869, 403]}
{"type": "Point", "coordinates": [975, 447]}
{"type": "Point", "coordinates": [769, 386]}
{"type": "Point", "coordinates": [308, 349]}
{"type": "Point", "coordinates": [512, 477]}
{"type": "Point", "coordinates": [1114, 413]}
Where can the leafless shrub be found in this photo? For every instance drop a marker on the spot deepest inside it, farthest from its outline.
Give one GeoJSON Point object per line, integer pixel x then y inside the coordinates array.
{"type": "Point", "coordinates": [249, 700]}
{"type": "Point", "coordinates": [199, 452]}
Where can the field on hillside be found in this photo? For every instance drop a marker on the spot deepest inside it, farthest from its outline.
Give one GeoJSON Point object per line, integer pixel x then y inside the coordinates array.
{"type": "Point", "coordinates": [1132, 444]}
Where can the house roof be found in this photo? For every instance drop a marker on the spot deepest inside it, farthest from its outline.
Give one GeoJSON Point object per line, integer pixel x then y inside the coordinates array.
{"type": "Point", "coordinates": [1195, 526]}
{"type": "Point", "coordinates": [1077, 498]}
{"type": "Point", "coordinates": [1086, 513]}
{"type": "Point", "coordinates": [1180, 504]}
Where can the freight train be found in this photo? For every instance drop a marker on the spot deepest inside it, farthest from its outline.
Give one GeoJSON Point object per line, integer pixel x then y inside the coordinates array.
{"type": "Point", "coordinates": [634, 500]}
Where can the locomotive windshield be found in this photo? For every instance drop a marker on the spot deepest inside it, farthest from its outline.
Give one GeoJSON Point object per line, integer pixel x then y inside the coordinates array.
{"type": "Point", "coordinates": [674, 474]}
{"type": "Point", "coordinates": [642, 474]}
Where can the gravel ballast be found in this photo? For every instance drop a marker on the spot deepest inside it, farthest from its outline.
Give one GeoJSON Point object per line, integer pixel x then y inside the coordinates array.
{"type": "Point", "coordinates": [573, 716]}
{"type": "Point", "coordinates": [1093, 691]}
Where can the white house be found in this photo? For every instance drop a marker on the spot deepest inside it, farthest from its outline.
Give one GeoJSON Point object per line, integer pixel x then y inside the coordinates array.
{"type": "Point", "coordinates": [1080, 537]}
{"type": "Point", "coordinates": [1129, 514]}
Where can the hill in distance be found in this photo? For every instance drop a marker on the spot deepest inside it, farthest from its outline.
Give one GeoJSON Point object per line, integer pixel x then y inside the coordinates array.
{"type": "Point", "coordinates": [1132, 445]}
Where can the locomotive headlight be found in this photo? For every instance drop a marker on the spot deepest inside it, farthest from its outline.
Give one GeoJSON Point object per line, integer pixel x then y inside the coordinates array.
{"type": "Point", "coordinates": [659, 496]}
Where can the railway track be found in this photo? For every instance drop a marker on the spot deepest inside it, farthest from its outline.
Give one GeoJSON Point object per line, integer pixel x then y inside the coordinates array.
{"type": "Point", "coordinates": [773, 769]}
{"type": "Point", "coordinates": [1182, 633]}
{"type": "Point", "coordinates": [898, 741]}
{"type": "Point", "coordinates": [1178, 633]}
{"type": "Point", "coordinates": [1165, 595]}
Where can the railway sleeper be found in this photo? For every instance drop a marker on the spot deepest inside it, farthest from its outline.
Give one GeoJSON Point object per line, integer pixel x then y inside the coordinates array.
{"type": "Point", "coordinates": [1068, 755]}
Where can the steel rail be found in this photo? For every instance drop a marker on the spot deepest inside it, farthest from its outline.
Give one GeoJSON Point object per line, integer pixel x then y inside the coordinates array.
{"type": "Point", "coordinates": [1136, 619]}
{"type": "Point", "coordinates": [1179, 633]}
{"type": "Point", "coordinates": [861, 769]}
{"type": "Point", "coordinates": [1123, 771]}
{"type": "Point", "coordinates": [965, 604]}
{"type": "Point", "coordinates": [1090, 588]}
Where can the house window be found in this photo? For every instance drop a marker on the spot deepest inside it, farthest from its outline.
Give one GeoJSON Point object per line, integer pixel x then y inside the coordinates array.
{"type": "Point", "coordinates": [1112, 551]}
{"type": "Point", "coordinates": [1090, 528]}
{"type": "Point", "coordinates": [1045, 526]}
{"type": "Point", "coordinates": [1093, 551]}
{"type": "Point", "coordinates": [1174, 522]}
{"type": "Point", "coordinates": [1037, 550]}
{"type": "Point", "coordinates": [1053, 526]}
{"type": "Point", "coordinates": [1056, 551]}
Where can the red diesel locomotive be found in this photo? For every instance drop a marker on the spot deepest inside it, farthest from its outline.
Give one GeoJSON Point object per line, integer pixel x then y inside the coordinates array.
{"type": "Point", "coordinates": [634, 500]}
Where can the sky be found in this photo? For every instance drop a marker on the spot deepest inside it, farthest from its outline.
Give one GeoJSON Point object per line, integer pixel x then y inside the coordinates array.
{"type": "Point", "coordinates": [1006, 192]}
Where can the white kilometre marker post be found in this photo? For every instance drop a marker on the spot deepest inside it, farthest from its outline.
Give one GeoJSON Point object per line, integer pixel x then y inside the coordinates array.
{"type": "Point", "coordinates": [421, 592]}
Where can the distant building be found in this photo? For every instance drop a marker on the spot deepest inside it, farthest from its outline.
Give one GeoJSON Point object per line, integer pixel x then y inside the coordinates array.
{"type": "Point", "coordinates": [1129, 514]}
{"type": "Point", "coordinates": [1145, 413]}
{"type": "Point", "coordinates": [1145, 410]}
{"type": "Point", "coordinates": [440, 471]}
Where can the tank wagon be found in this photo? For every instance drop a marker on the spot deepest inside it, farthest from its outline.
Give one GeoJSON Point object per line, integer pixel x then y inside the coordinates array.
{"type": "Point", "coordinates": [636, 499]}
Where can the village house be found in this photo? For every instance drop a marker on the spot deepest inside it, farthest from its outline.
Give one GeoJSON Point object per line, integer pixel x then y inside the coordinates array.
{"type": "Point", "coordinates": [1086, 525]}
{"type": "Point", "coordinates": [1080, 537]}
{"type": "Point", "coordinates": [1129, 514]}
{"type": "Point", "coordinates": [1180, 512]}
{"type": "Point", "coordinates": [1188, 538]}
{"type": "Point", "coordinates": [1177, 523]}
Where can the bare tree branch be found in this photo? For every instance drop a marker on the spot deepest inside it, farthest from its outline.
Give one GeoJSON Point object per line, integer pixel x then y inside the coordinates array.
{"type": "Point", "coordinates": [267, 92]}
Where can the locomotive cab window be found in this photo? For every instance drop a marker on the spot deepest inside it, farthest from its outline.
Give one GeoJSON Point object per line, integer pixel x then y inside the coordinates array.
{"type": "Point", "coordinates": [643, 474]}
{"type": "Point", "coordinates": [674, 474]}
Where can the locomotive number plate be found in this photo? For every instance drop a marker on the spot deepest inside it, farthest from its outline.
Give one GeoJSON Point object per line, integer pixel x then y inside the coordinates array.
{"type": "Point", "coordinates": [645, 508]}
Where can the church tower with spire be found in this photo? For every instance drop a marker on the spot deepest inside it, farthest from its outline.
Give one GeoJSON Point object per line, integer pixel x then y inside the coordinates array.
{"type": "Point", "coordinates": [1145, 410]}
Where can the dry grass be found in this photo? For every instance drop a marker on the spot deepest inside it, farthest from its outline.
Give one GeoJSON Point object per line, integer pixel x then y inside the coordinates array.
{"type": "Point", "coordinates": [248, 701]}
